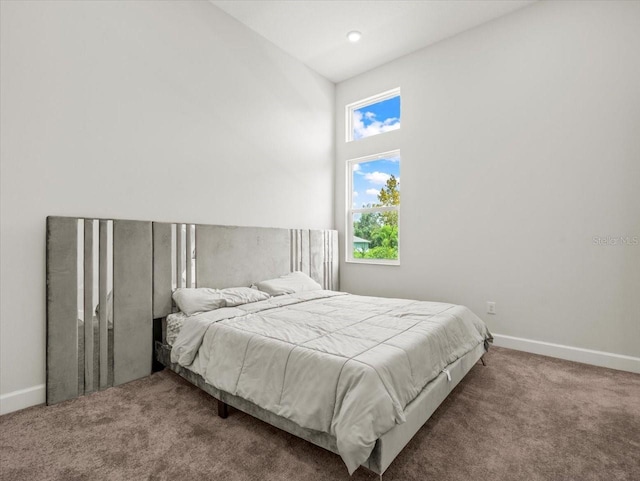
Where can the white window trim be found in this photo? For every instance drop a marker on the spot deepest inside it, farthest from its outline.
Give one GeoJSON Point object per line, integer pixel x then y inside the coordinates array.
{"type": "Point", "coordinates": [350, 211]}
{"type": "Point", "coordinates": [374, 99]}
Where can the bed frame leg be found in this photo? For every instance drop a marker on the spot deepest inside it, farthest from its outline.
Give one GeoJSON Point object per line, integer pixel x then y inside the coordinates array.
{"type": "Point", "coordinates": [223, 409]}
{"type": "Point", "coordinates": [482, 360]}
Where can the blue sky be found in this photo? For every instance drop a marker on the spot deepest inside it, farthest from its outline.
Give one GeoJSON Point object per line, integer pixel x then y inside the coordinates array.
{"type": "Point", "coordinates": [370, 177]}
{"type": "Point", "coordinates": [376, 118]}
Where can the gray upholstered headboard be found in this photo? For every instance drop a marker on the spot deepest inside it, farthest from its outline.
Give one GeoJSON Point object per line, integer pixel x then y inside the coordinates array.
{"type": "Point", "coordinates": [188, 255]}
{"type": "Point", "coordinates": [107, 279]}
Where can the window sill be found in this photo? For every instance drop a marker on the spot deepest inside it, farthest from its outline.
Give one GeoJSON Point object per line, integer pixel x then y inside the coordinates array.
{"type": "Point", "coordinates": [377, 262]}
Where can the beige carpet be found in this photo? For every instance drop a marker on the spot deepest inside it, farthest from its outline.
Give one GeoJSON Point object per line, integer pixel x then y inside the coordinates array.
{"type": "Point", "coordinates": [523, 417]}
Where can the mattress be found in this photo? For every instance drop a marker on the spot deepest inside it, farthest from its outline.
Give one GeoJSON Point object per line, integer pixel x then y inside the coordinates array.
{"type": "Point", "coordinates": [174, 324]}
{"type": "Point", "coordinates": [332, 362]}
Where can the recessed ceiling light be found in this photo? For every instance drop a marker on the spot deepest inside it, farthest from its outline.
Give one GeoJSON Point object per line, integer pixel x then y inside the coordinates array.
{"type": "Point", "coordinates": [354, 36]}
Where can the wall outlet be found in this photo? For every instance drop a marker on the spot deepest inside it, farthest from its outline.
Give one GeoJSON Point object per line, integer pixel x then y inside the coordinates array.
{"type": "Point", "coordinates": [491, 307]}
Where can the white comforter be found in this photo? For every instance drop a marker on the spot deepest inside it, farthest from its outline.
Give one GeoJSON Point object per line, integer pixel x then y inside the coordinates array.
{"type": "Point", "coordinates": [333, 362]}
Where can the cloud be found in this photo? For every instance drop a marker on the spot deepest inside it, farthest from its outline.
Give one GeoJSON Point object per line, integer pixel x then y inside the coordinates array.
{"type": "Point", "coordinates": [355, 194]}
{"type": "Point", "coordinates": [374, 126]}
{"type": "Point", "coordinates": [373, 192]}
{"type": "Point", "coordinates": [377, 178]}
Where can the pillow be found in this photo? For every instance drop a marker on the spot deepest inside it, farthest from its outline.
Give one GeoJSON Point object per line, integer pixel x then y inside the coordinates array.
{"type": "Point", "coordinates": [193, 300]}
{"type": "Point", "coordinates": [288, 284]}
{"type": "Point", "coordinates": [235, 296]}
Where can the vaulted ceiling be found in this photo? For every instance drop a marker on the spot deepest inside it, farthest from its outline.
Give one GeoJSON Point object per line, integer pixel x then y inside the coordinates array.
{"type": "Point", "coordinates": [315, 31]}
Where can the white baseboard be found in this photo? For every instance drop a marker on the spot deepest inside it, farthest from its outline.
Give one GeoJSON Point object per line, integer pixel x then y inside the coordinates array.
{"type": "Point", "coordinates": [577, 354]}
{"type": "Point", "coordinates": [24, 398]}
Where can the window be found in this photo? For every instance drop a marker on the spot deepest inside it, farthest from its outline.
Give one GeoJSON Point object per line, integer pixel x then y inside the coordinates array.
{"type": "Point", "coordinates": [373, 209]}
{"type": "Point", "coordinates": [373, 116]}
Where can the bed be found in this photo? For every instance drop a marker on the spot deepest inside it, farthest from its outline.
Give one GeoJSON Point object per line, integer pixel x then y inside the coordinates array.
{"type": "Point", "coordinates": [355, 375]}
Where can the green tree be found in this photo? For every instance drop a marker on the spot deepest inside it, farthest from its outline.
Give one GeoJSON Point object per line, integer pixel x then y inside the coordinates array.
{"type": "Point", "coordinates": [368, 223]}
{"type": "Point", "coordinates": [386, 236]}
{"type": "Point", "coordinates": [389, 196]}
{"type": "Point", "coordinates": [380, 252]}
{"type": "Point", "coordinates": [381, 229]}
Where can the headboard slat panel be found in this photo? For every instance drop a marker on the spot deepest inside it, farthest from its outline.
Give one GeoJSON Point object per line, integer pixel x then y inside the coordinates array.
{"type": "Point", "coordinates": [161, 269]}
{"type": "Point", "coordinates": [189, 266]}
{"type": "Point", "coordinates": [335, 261]}
{"type": "Point", "coordinates": [179, 255]}
{"type": "Point", "coordinates": [105, 310]}
{"type": "Point", "coordinates": [238, 256]}
{"type": "Point", "coordinates": [88, 305]}
{"type": "Point", "coordinates": [132, 300]}
{"type": "Point", "coordinates": [316, 256]}
{"type": "Point", "coordinates": [62, 309]}
{"type": "Point", "coordinates": [305, 252]}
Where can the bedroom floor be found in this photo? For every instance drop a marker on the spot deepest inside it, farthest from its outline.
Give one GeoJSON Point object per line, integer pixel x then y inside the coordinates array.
{"type": "Point", "coordinates": [522, 417]}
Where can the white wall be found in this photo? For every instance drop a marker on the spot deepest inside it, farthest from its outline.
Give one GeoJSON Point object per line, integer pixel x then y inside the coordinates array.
{"type": "Point", "coordinates": [144, 110]}
{"type": "Point", "coordinates": [520, 142]}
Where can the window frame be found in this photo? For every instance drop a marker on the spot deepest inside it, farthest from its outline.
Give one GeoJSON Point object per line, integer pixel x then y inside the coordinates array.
{"type": "Point", "coordinates": [374, 99]}
{"type": "Point", "coordinates": [350, 211]}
